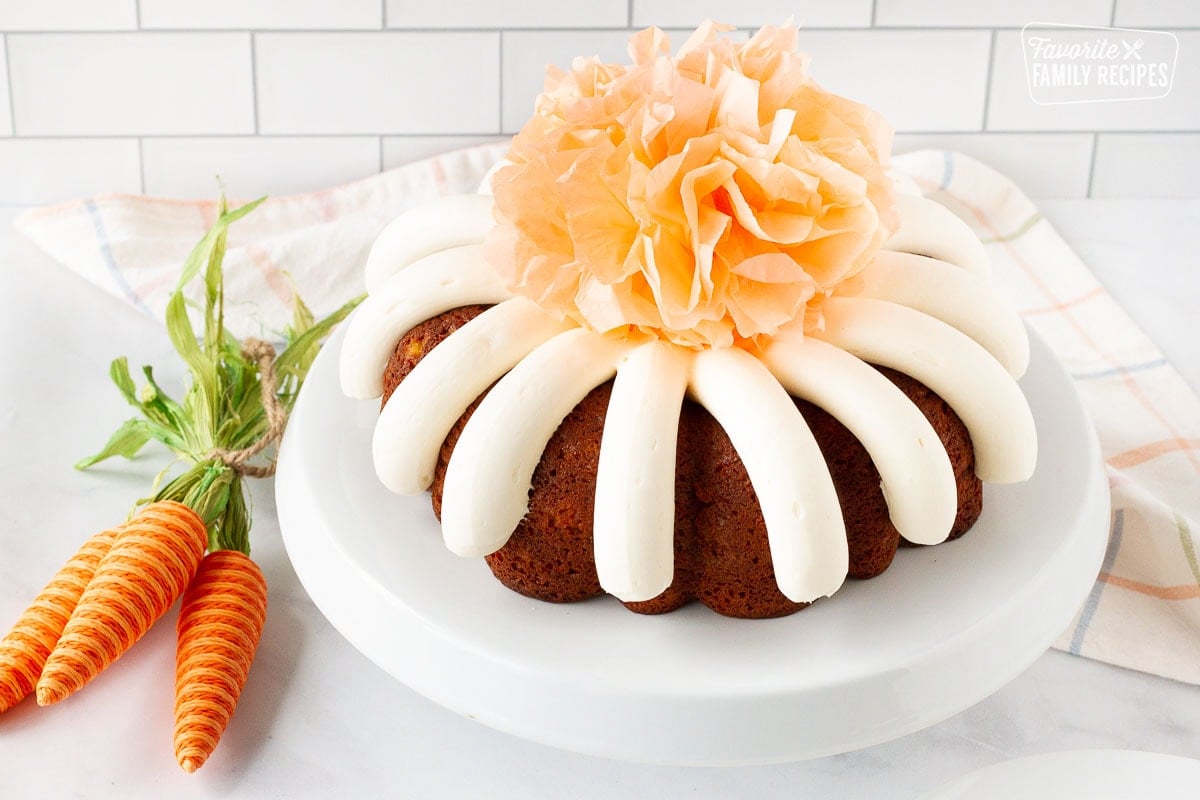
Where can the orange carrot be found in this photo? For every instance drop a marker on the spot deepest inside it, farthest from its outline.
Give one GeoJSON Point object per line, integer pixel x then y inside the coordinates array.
{"type": "Point", "coordinates": [220, 622]}
{"type": "Point", "coordinates": [151, 562]}
{"type": "Point", "coordinates": [24, 650]}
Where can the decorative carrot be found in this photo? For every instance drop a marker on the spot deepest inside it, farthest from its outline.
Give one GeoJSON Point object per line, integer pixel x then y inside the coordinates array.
{"type": "Point", "coordinates": [235, 407]}
{"type": "Point", "coordinates": [24, 650]}
{"type": "Point", "coordinates": [151, 562]}
{"type": "Point", "coordinates": [220, 622]}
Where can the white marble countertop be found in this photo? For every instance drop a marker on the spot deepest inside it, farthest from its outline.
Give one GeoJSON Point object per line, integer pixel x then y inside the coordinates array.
{"type": "Point", "coordinates": [319, 720]}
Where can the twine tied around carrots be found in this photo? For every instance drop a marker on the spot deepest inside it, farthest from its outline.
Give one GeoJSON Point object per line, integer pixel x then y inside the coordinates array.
{"type": "Point", "coordinates": [263, 354]}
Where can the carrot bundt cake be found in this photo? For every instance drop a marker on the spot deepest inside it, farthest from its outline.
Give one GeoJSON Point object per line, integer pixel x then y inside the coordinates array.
{"type": "Point", "coordinates": [692, 341]}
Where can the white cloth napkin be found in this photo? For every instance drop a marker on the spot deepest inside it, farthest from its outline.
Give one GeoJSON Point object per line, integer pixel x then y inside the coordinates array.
{"type": "Point", "coordinates": [1144, 611]}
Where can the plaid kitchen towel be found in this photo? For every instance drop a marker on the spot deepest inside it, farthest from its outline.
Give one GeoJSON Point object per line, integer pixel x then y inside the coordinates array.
{"type": "Point", "coordinates": [1144, 611]}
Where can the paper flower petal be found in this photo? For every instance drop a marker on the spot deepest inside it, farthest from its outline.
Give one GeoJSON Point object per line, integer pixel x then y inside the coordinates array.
{"type": "Point", "coordinates": [705, 198]}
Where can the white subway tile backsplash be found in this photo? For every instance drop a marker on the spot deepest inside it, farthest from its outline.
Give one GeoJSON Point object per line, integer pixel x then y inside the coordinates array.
{"type": "Point", "coordinates": [400, 150]}
{"type": "Point", "coordinates": [1042, 164]}
{"type": "Point", "coordinates": [288, 97]}
{"type": "Point", "coordinates": [39, 171]}
{"type": "Point", "coordinates": [251, 166]}
{"type": "Point", "coordinates": [1012, 109]}
{"type": "Point", "coordinates": [68, 15]}
{"type": "Point", "coordinates": [1007, 14]}
{"type": "Point", "coordinates": [752, 13]}
{"type": "Point", "coordinates": [131, 83]}
{"type": "Point", "coordinates": [378, 82]}
{"type": "Point", "coordinates": [6, 127]}
{"type": "Point", "coordinates": [1147, 165]}
{"type": "Point", "coordinates": [496, 14]}
{"type": "Point", "coordinates": [1158, 13]}
{"type": "Point", "coordinates": [919, 80]}
{"type": "Point", "coordinates": [255, 14]}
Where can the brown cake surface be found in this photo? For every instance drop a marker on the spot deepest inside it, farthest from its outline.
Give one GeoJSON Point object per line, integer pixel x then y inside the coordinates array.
{"type": "Point", "coordinates": [722, 556]}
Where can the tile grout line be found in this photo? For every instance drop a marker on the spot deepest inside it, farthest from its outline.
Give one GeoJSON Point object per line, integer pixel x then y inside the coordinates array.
{"type": "Point", "coordinates": [137, 20]}
{"type": "Point", "coordinates": [629, 14]}
{"type": "Point", "coordinates": [141, 167]}
{"type": "Point", "coordinates": [254, 79]}
{"type": "Point", "coordinates": [383, 20]}
{"type": "Point", "coordinates": [58, 137]}
{"type": "Point", "coordinates": [874, 11]}
{"type": "Point", "coordinates": [1092, 164]}
{"type": "Point", "coordinates": [1112, 23]}
{"type": "Point", "coordinates": [987, 86]}
{"type": "Point", "coordinates": [526, 29]}
{"type": "Point", "coordinates": [500, 87]}
{"type": "Point", "coordinates": [8, 78]}
{"type": "Point", "coordinates": [381, 154]}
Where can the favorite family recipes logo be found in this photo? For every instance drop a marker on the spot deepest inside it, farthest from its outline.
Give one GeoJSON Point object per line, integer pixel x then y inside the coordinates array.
{"type": "Point", "coordinates": [1078, 64]}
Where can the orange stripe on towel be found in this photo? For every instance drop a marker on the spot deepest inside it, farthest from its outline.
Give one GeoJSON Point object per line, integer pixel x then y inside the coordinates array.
{"type": "Point", "coordinates": [1151, 451]}
{"type": "Point", "coordinates": [271, 273]}
{"type": "Point", "coordinates": [1185, 591]}
{"type": "Point", "coordinates": [1098, 291]}
{"type": "Point", "coordinates": [439, 174]}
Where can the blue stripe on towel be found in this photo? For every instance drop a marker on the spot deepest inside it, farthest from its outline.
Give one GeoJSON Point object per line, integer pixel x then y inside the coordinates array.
{"type": "Point", "coordinates": [1108, 373]}
{"type": "Point", "coordinates": [109, 261]}
{"type": "Point", "coordinates": [947, 169]}
{"type": "Point", "coordinates": [1093, 600]}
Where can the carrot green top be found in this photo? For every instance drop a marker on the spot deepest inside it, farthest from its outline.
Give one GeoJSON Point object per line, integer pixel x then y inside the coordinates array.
{"type": "Point", "coordinates": [234, 406]}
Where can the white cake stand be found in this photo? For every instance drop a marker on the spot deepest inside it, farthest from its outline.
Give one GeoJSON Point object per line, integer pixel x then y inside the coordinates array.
{"type": "Point", "coordinates": [942, 629]}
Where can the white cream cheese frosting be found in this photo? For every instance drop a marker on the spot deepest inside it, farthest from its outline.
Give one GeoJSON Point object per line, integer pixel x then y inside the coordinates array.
{"type": "Point", "coordinates": [486, 492]}
{"type": "Point", "coordinates": [962, 373]}
{"type": "Point", "coordinates": [799, 504]}
{"type": "Point", "coordinates": [930, 229]}
{"type": "Point", "coordinates": [634, 526]}
{"type": "Point", "coordinates": [914, 469]}
{"type": "Point", "coordinates": [922, 307]}
{"type": "Point", "coordinates": [438, 225]}
{"type": "Point", "coordinates": [438, 282]}
{"type": "Point", "coordinates": [426, 404]}
{"type": "Point", "coordinates": [958, 298]}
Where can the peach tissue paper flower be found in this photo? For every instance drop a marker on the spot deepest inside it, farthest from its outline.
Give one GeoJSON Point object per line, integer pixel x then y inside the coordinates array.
{"type": "Point", "coordinates": [706, 198]}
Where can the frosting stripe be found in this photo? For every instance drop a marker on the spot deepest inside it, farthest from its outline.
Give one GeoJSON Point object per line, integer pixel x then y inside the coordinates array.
{"type": "Point", "coordinates": [931, 229]}
{"type": "Point", "coordinates": [956, 297]}
{"type": "Point", "coordinates": [918, 480]}
{"type": "Point", "coordinates": [443, 223]}
{"type": "Point", "coordinates": [976, 386]}
{"type": "Point", "coordinates": [424, 407]}
{"type": "Point", "coordinates": [805, 531]}
{"type": "Point", "coordinates": [634, 530]}
{"type": "Point", "coordinates": [486, 492]}
{"type": "Point", "coordinates": [437, 283]}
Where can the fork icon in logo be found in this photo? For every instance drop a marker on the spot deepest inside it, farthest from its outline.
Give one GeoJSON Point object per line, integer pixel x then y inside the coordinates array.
{"type": "Point", "coordinates": [1132, 49]}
